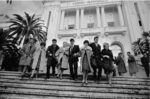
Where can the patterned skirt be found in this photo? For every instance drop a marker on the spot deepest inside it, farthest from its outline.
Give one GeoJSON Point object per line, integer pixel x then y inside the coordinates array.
{"type": "Point", "coordinates": [85, 64]}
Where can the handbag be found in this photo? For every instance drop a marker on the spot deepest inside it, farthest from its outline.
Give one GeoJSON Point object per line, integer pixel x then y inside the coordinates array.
{"type": "Point", "coordinates": [108, 64]}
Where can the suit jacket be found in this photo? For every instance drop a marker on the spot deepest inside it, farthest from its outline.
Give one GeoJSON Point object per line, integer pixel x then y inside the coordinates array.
{"type": "Point", "coordinates": [51, 50]}
{"type": "Point", "coordinates": [96, 49]}
{"type": "Point", "coordinates": [75, 50]}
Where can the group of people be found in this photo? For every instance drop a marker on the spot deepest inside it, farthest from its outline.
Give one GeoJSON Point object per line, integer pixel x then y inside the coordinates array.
{"type": "Point", "coordinates": [93, 59]}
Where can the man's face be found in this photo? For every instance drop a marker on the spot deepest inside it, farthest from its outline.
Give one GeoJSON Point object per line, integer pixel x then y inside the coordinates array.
{"type": "Point", "coordinates": [72, 42]}
{"type": "Point", "coordinates": [54, 42]}
{"type": "Point", "coordinates": [96, 40]}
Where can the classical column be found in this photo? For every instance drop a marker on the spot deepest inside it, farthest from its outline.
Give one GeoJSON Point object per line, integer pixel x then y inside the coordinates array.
{"type": "Point", "coordinates": [82, 18]}
{"type": "Point", "coordinates": [103, 16]}
{"type": "Point", "coordinates": [62, 19]}
{"type": "Point", "coordinates": [120, 15]}
{"type": "Point", "coordinates": [77, 19]}
{"type": "Point", "coordinates": [98, 17]}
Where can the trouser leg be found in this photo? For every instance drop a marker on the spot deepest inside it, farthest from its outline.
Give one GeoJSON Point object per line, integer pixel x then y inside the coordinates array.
{"type": "Point", "coordinates": [75, 70]}
{"type": "Point", "coordinates": [114, 72]}
{"type": "Point", "coordinates": [94, 72]}
{"type": "Point", "coordinates": [146, 67]}
{"type": "Point", "coordinates": [53, 69]}
{"type": "Point", "coordinates": [71, 70]}
{"type": "Point", "coordinates": [48, 71]}
{"type": "Point", "coordinates": [99, 72]}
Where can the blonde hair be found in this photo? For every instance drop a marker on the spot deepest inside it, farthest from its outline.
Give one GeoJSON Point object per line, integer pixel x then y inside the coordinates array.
{"type": "Point", "coordinates": [105, 44]}
{"type": "Point", "coordinates": [66, 44]}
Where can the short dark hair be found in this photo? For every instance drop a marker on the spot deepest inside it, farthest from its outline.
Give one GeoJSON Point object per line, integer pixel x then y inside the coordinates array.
{"type": "Point", "coordinates": [54, 40]}
{"type": "Point", "coordinates": [120, 53]}
{"type": "Point", "coordinates": [96, 37]}
{"type": "Point", "coordinates": [43, 44]}
{"type": "Point", "coordinates": [72, 40]}
{"type": "Point", "coordinates": [128, 53]}
{"type": "Point", "coordinates": [86, 41]}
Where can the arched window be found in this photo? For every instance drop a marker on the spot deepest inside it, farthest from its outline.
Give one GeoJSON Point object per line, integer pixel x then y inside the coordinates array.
{"type": "Point", "coordinates": [115, 49]}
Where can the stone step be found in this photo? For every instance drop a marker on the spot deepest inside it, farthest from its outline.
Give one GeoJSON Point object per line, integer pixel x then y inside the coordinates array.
{"type": "Point", "coordinates": [75, 89]}
{"type": "Point", "coordinates": [80, 77]}
{"type": "Point", "coordinates": [71, 94]}
{"type": "Point", "coordinates": [118, 77]}
{"type": "Point", "coordinates": [79, 80]}
{"type": "Point", "coordinates": [21, 96]}
{"type": "Point", "coordinates": [12, 87]}
{"type": "Point", "coordinates": [75, 84]}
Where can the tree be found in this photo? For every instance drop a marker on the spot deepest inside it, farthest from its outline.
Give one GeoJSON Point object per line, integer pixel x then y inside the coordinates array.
{"type": "Point", "coordinates": [6, 41]}
{"type": "Point", "coordinates": [142, 45]}
{"type": "Point", "coordinates": [25, 27]}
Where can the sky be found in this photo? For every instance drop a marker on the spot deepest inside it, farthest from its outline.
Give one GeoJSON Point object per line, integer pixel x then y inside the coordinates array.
{"type": "Point", "coordinates": [20, 7]}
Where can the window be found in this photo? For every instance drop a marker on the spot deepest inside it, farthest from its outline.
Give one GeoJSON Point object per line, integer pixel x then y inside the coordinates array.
{"type": "Point", "coordinates": [90, 25]}
{"type": "Point", "coordinates": [111, 24]}
{"type": "Point", "coordinates": [71, 26]}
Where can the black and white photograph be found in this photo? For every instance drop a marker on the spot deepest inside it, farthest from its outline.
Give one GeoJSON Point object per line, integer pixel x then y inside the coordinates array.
{"type": "Point", "coordinates": [74, 49]}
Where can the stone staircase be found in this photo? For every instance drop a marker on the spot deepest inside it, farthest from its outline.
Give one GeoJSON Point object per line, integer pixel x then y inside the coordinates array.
{"type": "Point", "coordinates": [12, 87]}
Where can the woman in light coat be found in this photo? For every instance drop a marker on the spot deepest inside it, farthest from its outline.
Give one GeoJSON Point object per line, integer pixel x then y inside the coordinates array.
{"type": "Point", "coordinates": [27, 55]}
{"type": "Point", "coordinates": [85, 62]}
{"type": "Point", "coordinates": [62, 57]}
{"type": "Point", "coordinates": [39, 59]}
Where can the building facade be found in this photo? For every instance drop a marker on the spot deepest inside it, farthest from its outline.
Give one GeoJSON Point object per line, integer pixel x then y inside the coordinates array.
{"type": "Point", "coordinates": [117, 22]}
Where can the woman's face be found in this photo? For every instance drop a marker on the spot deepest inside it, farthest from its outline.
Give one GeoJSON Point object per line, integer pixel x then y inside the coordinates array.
{"type": "Point", "coordinates": [85, 44]}
{"type": "Point", "coordinates": [64, 44]}
{"type": "Point", "coordinates": [106, 46]}
{"type": "Point", "coordinates": [121, 55]}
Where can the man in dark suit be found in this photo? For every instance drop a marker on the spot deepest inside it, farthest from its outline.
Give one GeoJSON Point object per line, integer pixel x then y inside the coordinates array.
{"type": "Point", "coordinates": [145, 62]}
{"type": "Point", "coordinates": [97, 56]}
{"type": "Point", "coordinates": [51, 58]}
{"type": "Point", "coordinates": [73, 59]}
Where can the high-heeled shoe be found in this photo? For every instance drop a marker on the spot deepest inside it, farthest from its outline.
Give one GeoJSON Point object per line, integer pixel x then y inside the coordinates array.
{"type": "Point", "coordinates": [86, 82]}
{"type": "Point", "coordinates": [83, 82]}
{"type": "Point", "coordinates": [58, 76]}
{"type": "Point", "coordinates": [110, 83]}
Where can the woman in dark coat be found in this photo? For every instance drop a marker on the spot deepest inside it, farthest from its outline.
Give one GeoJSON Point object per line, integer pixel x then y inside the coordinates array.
{"type": "Point", "coordinates": [120, 64]}
{"type": "Point", "coordinates": [107, 62]}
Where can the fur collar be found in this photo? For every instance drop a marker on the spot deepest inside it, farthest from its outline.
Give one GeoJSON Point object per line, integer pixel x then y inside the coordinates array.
{"type": "Point", "coordinates": [88, 48]}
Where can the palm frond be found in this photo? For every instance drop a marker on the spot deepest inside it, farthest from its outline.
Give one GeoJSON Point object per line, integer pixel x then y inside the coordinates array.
{"type": "Point", "coordinates": [25, 26]}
